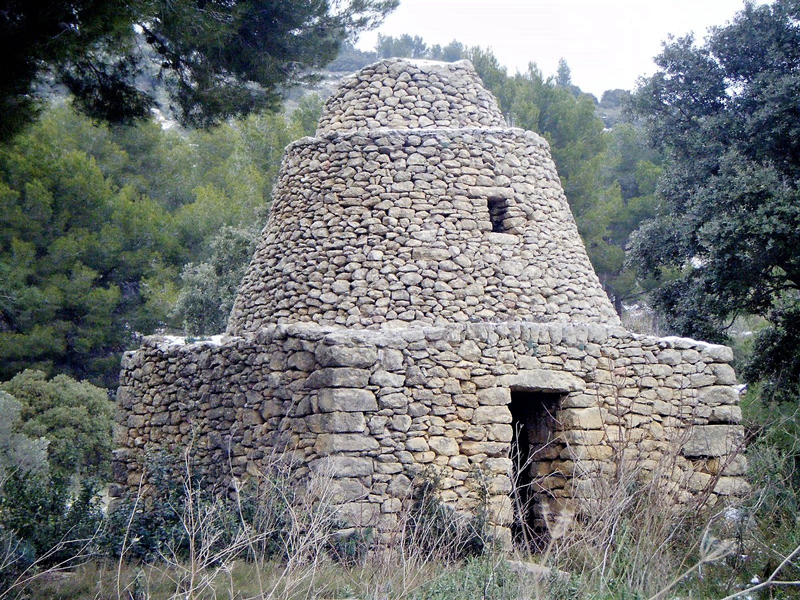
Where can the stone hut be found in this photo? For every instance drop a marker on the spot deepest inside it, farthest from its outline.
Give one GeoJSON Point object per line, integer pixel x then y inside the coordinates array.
{"type": "Point", "coordinates": [421, 301]}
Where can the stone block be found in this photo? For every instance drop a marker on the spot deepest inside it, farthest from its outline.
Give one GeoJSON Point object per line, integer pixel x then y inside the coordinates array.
{"type": "Point", "coordinates": [333, 443]}
{"type": "Point", "coordinates": [581, 418]}
{"type": "Point", "coordinates": [401, 423]}
{"type": "Point", "coordinates": [717, 353]}
{"type": "Point", "coordinates": [343, 466]}
{"type": "Point", "coordinates": [543, 380]}
{"type": "Point", "coordinates": [302, 361]}
{"type": "Point", "coordinates": [724, 373]}
{"type": "Point", "coordinates": [338, 377]}
{"type": "Point", "coordinates": [583, 438]}
{"type": "Point", "coordinates": [491, 414]}
{"type": "Point", "coordinates": [339, 491]}
{"type": "Point", "coordinates": [417, 444]}
{"type": "Point", "coordinates": [386, 379]}
{"type": "Point", "coordinates": [359, 514]}
{"type": "Point", "coordinates": [713, 440]}
{"type": "Point", "coordinates": [469, 351]}
{"type": "Point", "coordinates": [394, 401]}
{"type": "Point", "coordinates": [578, 400]}
{"type": "Point", "coordinates": [718, 394]}
{"type": "Point", "coordinates": [732, 486]}
{"type": "Point", "coordinates": [337, 422]}
{"type": "Point", "coordinates": [443, 445]}
{"type": "Point", "coordinates": [698, 481]}
{"type": "Point", "coordinates": [494, 396]}
{"type": "Point", "coordinates": [669, 357]}
{"type": "Point", "coordinates": [726, 413]}
{"type": "Point", "coordinates": [500, 432]}
{"type": "Point", "coordinates": [341, 355]}
{"type": "Point", "coordinates": [492, 449]}
{"type": "Point", "coordinates": [346, 400]}
{"type": "Point", "coordinates": [399, 486]}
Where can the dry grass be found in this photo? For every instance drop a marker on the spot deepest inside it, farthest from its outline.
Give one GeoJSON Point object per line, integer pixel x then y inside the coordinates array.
{"type": "Point", "coordinates": [631, 543]}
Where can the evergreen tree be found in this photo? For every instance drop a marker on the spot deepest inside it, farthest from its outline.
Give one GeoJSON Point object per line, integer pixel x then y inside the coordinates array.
{"type": "Point", "coordinates": [215, 58]}
{"type": "Point", "coordinates": [727, 117]}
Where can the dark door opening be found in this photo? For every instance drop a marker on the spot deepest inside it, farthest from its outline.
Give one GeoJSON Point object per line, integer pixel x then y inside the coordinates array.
{"type": "Point", "coordinates": [533, 450]}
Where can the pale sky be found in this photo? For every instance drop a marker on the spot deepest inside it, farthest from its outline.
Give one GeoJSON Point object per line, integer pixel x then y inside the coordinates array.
{"type": "Point", "coordinates": [607, 43]}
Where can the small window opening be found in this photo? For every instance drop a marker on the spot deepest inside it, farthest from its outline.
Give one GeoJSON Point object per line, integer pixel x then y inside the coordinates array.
{"type": "Point", "coordinates": [534, 449]}
{"type": "Point", "coordinates": [498, 207]}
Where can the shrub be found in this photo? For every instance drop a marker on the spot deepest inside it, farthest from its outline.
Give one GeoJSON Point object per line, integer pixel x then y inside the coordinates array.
{"type": "Point", "coordinates": [75, 417]}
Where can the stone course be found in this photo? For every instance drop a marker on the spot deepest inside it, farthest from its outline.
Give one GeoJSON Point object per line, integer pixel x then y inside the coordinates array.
{"type": "Point", "coordinates": [420, 290]}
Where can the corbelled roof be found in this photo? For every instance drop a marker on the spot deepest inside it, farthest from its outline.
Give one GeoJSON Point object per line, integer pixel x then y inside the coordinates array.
{"type": "Point", "coordinates": [415, 204]}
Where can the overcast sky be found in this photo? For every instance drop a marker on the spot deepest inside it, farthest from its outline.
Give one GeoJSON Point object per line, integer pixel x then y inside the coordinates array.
{"type": "Point", "coordinates": [606, 43]}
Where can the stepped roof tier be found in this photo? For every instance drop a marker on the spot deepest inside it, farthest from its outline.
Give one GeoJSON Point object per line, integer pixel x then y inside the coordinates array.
{"type": "Point", "coordinates": [416, 205]}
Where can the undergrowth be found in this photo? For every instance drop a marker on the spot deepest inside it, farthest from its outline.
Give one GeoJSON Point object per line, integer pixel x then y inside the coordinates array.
{"type": "Point", "coordinates": [268, 538]}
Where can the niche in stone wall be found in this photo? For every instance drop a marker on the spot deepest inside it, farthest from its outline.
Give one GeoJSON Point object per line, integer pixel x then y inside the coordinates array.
{"type": "Point", "coordinates": [534, 450]}
{"type": "Point", "coordinates": [498, 209]}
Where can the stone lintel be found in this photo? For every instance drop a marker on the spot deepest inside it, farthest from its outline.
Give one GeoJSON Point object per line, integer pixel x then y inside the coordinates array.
{"type": "Point", "coordinates": [542, 380]}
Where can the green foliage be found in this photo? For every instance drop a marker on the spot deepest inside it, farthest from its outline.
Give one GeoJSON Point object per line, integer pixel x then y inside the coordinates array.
{"type": "Point", "coordinates": [99, 222]}
{"type": "Point", "coordinates": [19, 453]}
{"type": "Point", "coordinates": [350, 59]}
{"type": "Point", "coordinates": [74, 417]}
{"type": "Point", "coordinates": [55, 434]}
{"type": "Point", "coordinates": [405, 46]}
{"type": "Point", "coordinates": [73, 248]}
{"type": "Point", "coordinates": [214, 60]}
{"type": "Point", "coordinates": [51, 521]}
{"type": "Point", "coordinates": [209, 288]}
{"type": "Point", "coordinates": [726, 115]}
{"type": "Point", "coordinates": [479, 577]}
{"type": "Point", "coordinates": [307, 114]}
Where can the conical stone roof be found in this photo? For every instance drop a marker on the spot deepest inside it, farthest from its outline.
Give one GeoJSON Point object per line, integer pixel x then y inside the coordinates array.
{"type": "Point", "coordinates": [414, 204]}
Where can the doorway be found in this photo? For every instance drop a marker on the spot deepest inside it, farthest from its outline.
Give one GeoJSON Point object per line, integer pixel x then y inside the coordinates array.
{"type": "Point", "coordinates": [534, 448]}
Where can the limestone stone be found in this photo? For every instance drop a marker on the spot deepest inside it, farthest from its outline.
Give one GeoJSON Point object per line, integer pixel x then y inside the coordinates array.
{"type": "Point", "coordinates": [338, 377]}
{"type": "Point", "coordinates": [443, 445]}
{"type": "Point", "coordinates": [333, 443]}
{"type": "Point", "coordinates": [343, 466]}
{"type": "Point", "coordinates": [713, 440]}
{"type": "Point", "coordinates": [346, 400]}
{"type": "Point", "coordinates": [581, 418]}
{"type": "Point", "coordinates": [491, 414]}
{"type": "Point", "coordinates": [420, 269]}
{"type": "Point", "coordinates": [718, 394]}
{"type": "Point", "coordinates": [339, 355]}
{"type": "Point", "coordinates": [337, 422]}
{"type": "Point", "coordinates": [494, 396]}
{"type": "Point", "coordinates": [544, 380]}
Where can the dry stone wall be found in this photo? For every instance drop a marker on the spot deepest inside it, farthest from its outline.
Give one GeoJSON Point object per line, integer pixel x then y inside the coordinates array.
{"type": "Point", "coordinates": [403, 94]}
{"type": "Point", "coordinates": [420, 301]}
{"type": "Point", "coordinates": [387, 229]}
{"type": "Point", "coordinates": [372, 410]}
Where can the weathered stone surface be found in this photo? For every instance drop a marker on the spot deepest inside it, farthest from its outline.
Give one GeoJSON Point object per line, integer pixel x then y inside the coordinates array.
{"type": "Point", "coordinates": [332, 443]}
{"type": "Point", "coordinates": [494, 396]}
{"type": "Point", "coordinates": [339, 355]}
{"type": "Point", "coordinates": [718, 394]}
{"type": "Point", "coordinates": [343, 466]}
{"type": "Point", "coordinates": [338, 377]}
{"type": "Point", "coordinates": [544, 380]}
{"type": "Point", "coordinates": [581, 418]}
{"type": "Point", "coordinates": [337, 422]}
{"type": "Point", "coordinates": [420, 267]}
{"type": "Point", "coordinates": [443, 445]}
{"type": "Point", "coordinates": [713, 440]}
{"type": "Point", "coordinates": [347, 400]}
{"type": "Point", "coordinates": [491, 414]}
